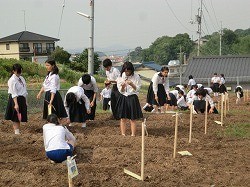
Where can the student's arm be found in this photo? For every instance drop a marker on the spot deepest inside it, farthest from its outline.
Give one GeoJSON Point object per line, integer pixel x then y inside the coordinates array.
{"type": "Point", "coordinates": [40, 93]}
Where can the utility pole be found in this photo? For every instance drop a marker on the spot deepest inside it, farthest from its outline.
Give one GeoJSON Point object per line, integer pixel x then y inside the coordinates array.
{"type": "Point", "coordinates": [220, 35]}
{"type": "Point", "coordinates": [181, 60]}
{"type": "Point", "coordinates": [91, 38]}
{"type": "Point", "coordinates": [198, 19]}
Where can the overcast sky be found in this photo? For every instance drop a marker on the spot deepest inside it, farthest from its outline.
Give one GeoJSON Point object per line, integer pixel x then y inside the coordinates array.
{"type": "Point", "coordinates": [119, 24]}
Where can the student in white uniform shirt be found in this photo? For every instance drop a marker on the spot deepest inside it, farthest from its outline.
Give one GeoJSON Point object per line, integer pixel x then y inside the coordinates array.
{"type": "Point", "coordinates": [51, 87]}
{"type": "Point", "coordinates": [200, 102]}
{"type": "Point", "coordinates": [112, 75]}
{"type": "Point", "coordinates": [128, 106]}
{"type": "Point", "coordinates": [191, 94]}
{"type": "Point", "coordinates": [16, 110]}
{"type": "Point", "coordinates": [158, 90]}
{"type": "Point", "coordinates": [105, 96]}
{"type": "Point", "coordinates": [222, 87]}
{"type": "Point", "coordinates": [181, 102]}
{"type": "Point", "coordinates": [239, 93]}
{"type": "Point", "coordinates": [77, 105]}
{"type": "Point", "coordinates": [88, 83]}
{"type": "Point", "coordinates": [215, 84]}
{"type": "Point", "coordinates": [191, 81]}
{"type": "Point", "coordinates": [59, 142]}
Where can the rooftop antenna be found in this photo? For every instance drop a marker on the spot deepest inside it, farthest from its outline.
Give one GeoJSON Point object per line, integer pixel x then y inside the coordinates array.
{"type": "Point", "coordinates": [24, 20]}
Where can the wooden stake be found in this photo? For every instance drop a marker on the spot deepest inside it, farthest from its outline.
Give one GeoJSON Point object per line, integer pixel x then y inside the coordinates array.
{"type": "Point", "coordinates": [142, 156]}
{"type": "Point", "coordinates": [175, 134]}
{"type": "Point", "coordinates": [218, 105]}
{"type": "Point", "coordinates": [69, 178]}
{"type": "Point", "coordinates": [225, 102]}
{"type": "Point", "coordinates": [222, 100]}
{"type": "Point", "coordinates": [247, 95]}
{"type": "Point", "coordinates": [206, 117]}
{"type": "Point", "coordinates": [191, 123]}
{"type": "Point", "coordinates": [142, 149]}
{"type": "Point", "coordinates": [244, 95]}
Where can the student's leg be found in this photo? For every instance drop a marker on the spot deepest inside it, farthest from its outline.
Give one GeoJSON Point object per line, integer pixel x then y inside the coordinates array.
{"type": "Point", "coordinates": [123, 122]}
{"type": "Point", "coordinates": [133, 127]}
{"type": "Point", "coordinates": [16, 127]}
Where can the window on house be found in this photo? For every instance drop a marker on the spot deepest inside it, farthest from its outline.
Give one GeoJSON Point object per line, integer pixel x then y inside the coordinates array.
{"type": "Point", "coordinates": [50, 47]}
{"type": "Point", "coordinates": [24, 47]}
{"type": "Point", "coordinates": [7, 46]}
{"type": "Point", "coordinates": [37, 48]}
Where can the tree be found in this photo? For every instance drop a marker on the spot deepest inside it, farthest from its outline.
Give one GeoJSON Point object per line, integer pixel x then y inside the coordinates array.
{"type": "Point", "coordinates": [166, 48]}
{"type": "Point", "coordinates": [80, 63]}
{"type": "Point", "coordinates": [60, 55]}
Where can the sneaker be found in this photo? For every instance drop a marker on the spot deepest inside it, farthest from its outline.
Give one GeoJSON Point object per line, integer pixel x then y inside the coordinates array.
{"type": "Point", "coordinates": [145, 106]}
{"type": "Point", "coordinates": [17, 131]}
{"type": "Point", "coordinates": [83, 125]}
{"type": "Point", "coordinates": [71, 124]}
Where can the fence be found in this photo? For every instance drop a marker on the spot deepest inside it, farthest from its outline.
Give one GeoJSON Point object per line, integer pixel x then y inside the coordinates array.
{"type": "Point", "coordinates": [34, 105]}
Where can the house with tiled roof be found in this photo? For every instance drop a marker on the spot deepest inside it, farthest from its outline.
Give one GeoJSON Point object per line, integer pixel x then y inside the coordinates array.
{"type": "Point", "coordinates": [235, 68]}
{"type": "Point", "coordinates": [26, 45]}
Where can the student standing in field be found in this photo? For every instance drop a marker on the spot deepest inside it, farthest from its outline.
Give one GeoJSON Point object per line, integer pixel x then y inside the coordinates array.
{"type": "Point", "coordinates": [191, 81]}
{"type": "Point", "coordinates": [158, 90]}
{"type": "Point", "coordinates": [88, 83]}
{"type": "Point", "coordinates": [51, 87]}
{"type": "Point", "coordinates": [16, 110]}
{"type": "Point", "coordinates": [59, 142]}
{"type": "Point", "coordinates": [112, 75]}
{"type": "Point", "coordinates": [215, 84]}
{"type": "Point", "coordinates": [77, 105]}
{"type": "Point", "coordinates": [128, 106]}
{"type": "Point", "coordinates": [105, 96]}
{"type": "Point", "coordinates": [222, 86]}
{"type": "Point", "coordinates": [239, 93]}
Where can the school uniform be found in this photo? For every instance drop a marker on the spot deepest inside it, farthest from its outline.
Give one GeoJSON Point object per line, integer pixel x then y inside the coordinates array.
{"type": "Point", "coordinates": [89, 90]}
{"type": "Point", "coordinates": [191, 82]}
{"type": "Point", "coordinates": [56, 147]}
{"type": "Point", "coordinates": [77, 111]}
{"type": "Point", "coordinates": [17, 89]}
{"type": "Point", "coordinates": [239, 92]}
{"type": "Point", "coordinates": [112, 75]}
{"type": "Point", "coordinates": [106, 95]}
{"type": "Point", "coordinates": [159, 85]}
{"type": "Point", "coordinates": [182, 88]}
{"type": "Point", "coordinates": [181, 103]}
{"type": "Point", "coordinates": [128, 105]}
{"type": "Point", "coordinates": [222, 87]}
{"type": "Point", "coordinates": [173, 94]}
{"type": "Point", "coordinates": [191, 96]}
{"type": "Point", "coordinates": [216, 83]}
{"type": "Point", "coordinates": [200, 104]}
{"type": "Point", "coordinates": [209, 90]}
{"type": "Point", "coordinates": [51, 84]}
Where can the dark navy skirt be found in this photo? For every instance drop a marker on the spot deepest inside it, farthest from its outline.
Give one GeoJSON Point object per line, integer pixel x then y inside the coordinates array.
{"type": "Point", "coordinates": [77, 111]}
{"type": "Point", "coordinates": [11, 113]}
{"type": "Point", "coordinates": [162, 96]}
{"type": "Point", "coordinates": [58, 106]}
{"type": "Point", "coordinates": [215, 87]}
{"type": "Point", "coordinates": [200, 106]}
{"type": "Point", "coordinates": [222, 88]}
{"type": "Point", "coordinates": [128, 107]}
{"type": "Point", "coordinates": [115, 94]}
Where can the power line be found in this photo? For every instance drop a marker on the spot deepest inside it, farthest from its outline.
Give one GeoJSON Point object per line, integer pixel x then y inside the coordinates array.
{"type": "Point", "coordinates": [214, 14]}
{"type": "Point", "coordinates": [209, 16]}
{"type": "Point", "coordinates": [177, 17]}
{"type": "Point", "coordinates": [61, 19]}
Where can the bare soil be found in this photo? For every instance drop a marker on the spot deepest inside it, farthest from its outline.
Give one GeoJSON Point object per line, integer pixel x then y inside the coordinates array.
{"type": "Point", "coordinates": [102, 153]}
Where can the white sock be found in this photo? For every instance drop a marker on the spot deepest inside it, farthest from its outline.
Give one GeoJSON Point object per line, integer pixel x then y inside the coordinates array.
{"type": "Point", "coordinates": [17, 131]}
{"type": "Point", "coordinates": [83, 124]}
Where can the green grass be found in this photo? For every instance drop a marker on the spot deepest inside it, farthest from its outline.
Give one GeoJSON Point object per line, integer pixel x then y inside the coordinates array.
{"type": "Point", "coordinates": [238, 130]}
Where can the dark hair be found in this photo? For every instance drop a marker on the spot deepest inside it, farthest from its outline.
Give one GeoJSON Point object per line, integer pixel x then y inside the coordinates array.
{"type": "Point", "coordinates": [182, 93]}
{"type": "Point", "coordinates": [190, 77]}
{"type": "Point", "coordinates": [18, 68]}
{"type": "Point", "coordinates": [177, 88]}
{"type": "Point", "coordinates": [128, 66]}
{"type": "Point", "coordinates": [106, 84]}
{"type": "Point", "coordinates": [70, 98]}
{"type": "Point", "coordinates": [86, 78]}
{"type": "Point", "coordinates": [164, 68]}
{"type": "Point", "coordinates": [222, 75]}
{"type": "Point", "coordinates": [52, 62]}
{"type": "Point", "coordinates": [201, 92]}
{"type": "Point", "coordinates": [194, 86]}
{"type": "Point", "coordinates": [52, 118]}
{"type": "Point", "coordinates": [106, 63]}
{"type": "Point", "coordinates": [215, 73]}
